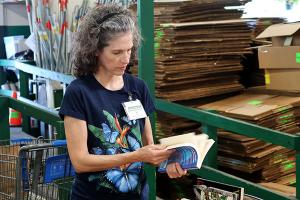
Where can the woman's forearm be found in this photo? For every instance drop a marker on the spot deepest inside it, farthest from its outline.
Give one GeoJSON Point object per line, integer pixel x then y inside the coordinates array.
{"type": "Point", "coordinates": [92, 163]}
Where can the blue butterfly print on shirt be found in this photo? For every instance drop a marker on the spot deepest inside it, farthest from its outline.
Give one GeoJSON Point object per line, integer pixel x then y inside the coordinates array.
{"type": "Point", "coordinates": [130, 122]}
{"type": "Point", "coordinates": [98, 151]}
{"type": "Point", "coordinates": [111, 151]}
{"type": "Point", "coordinates": [133, 144]}
{"type": "Point", "coordinates": [110, 136]}
{"type": "Point", "coordinates": [125, 180]}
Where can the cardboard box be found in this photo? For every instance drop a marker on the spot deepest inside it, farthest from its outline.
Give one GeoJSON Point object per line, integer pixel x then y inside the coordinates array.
{"type": "Point", "coordinates": [282, 34]}
{"type": "Point", "coordinates": [283, 79]}
{"type": "Point", "coordinates": [279, 57]}
{"type": "Point", "coordinates": [282, 60]}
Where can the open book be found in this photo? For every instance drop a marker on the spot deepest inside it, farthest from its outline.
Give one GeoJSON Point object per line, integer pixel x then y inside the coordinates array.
{"type": "Point", "coordinates": [208, 189]}
{"type": "Point", "coordinates": [191, 150]}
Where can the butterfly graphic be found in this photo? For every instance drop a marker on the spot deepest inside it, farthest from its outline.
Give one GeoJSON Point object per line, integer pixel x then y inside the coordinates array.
{"type": "Point", "coordinates": [125, 180]}
{"type": "Point", "coordinates": [109, 135]}
{"type": "Point", "coordinates": [133, 144]}
{"type": "Point", "coordinates": [111, 151]}
{"type": "Point", "coordinates": [98, 151]}
{"type": "Point", "coordinates": [129, 122]}
{"type": "Point", "coordinates": [118, 137]}
{"type": "Point", "coordinates": [108, 151]}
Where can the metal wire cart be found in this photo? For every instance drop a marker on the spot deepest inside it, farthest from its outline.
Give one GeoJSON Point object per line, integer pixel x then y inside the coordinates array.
{"type": "Point", "coordinates": [35, 169]}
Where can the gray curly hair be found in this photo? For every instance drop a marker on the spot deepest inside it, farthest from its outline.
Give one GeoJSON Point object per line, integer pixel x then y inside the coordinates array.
{"type": "Point", "coordinates": [98, 27]}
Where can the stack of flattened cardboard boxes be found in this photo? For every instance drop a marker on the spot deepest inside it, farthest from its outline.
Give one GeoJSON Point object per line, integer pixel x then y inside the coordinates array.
{"type": "Point", "coordinates": [281, 61]}
{"type": "Point", "coordinates": [251, 158]}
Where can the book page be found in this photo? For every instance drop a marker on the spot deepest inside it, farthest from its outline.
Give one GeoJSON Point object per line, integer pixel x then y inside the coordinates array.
{"type": "Point", "coordinates": [173, 140]}
{"type": "Point", "coordinates": [206, 145]}
{"type": "Point", "coordinates": [184, 138]}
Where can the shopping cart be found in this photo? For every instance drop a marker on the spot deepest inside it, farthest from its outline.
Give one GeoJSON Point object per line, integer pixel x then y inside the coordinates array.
{"type": "Point", "coordinates": [9, 151]}
{"type": "Point", "coordinates": [39, 171]}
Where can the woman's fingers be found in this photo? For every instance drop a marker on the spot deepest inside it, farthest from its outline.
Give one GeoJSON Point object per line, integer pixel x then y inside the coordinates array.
{"type": "Point", "coordinates": [174, 170]}
{"type": "Point", "coordinates": [171, 170]}
{"type": "Point", "coordinates": [154, 154]}
{"type": "Point", "coordinates": [179, 170]}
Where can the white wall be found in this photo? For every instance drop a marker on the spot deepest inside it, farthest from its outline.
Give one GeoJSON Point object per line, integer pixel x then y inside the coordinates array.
{"type": "Point", "coordinates": [1, 15]}
{"type": "Point", "coordinates": [259, 8]}
{"type": "Point", "coordinates": [13, 14]}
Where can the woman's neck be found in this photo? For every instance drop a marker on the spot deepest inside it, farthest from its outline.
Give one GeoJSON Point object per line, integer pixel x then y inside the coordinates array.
{"type": "Point", "coordinates": [110, 82]}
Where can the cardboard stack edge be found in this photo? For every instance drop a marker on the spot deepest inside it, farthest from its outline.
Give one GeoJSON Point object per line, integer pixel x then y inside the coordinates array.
{"type": "Point", "coordinates": [251, 158]}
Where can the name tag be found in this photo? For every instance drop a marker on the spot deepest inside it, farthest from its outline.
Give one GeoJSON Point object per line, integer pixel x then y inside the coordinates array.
{"type": "Point", "coordinates": [134, 110]}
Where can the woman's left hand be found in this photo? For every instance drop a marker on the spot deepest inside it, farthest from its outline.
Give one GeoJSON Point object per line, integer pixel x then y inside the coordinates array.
{"type": "Point", "coordinates": [174, 170]}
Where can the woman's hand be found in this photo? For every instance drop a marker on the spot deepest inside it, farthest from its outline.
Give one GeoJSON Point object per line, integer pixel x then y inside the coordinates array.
{"type": "Point", "coordinates": [174, 170]}
{"type": "Point", "coordinates": [154, 154]}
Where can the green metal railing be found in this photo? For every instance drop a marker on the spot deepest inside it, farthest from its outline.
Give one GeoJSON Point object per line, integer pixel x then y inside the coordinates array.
{"type": "Point", "coordinates": [33, 70]}
{"type": "Point", "coordinates": [26, 72]}
{"type": "Point", "coordinates": [29, 108]}
{"type": "Point", "coordinates": [211, 121]}
{"type": "Point", "coordinates": [146, 72]}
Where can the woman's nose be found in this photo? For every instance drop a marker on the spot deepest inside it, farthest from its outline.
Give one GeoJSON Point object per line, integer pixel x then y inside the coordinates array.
{"type": "Point", "coordinates": [125, 58]}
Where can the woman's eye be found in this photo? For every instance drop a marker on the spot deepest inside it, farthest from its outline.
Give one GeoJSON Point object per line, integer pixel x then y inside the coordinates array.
{"type": "Point", "coordinates": [116, 52]}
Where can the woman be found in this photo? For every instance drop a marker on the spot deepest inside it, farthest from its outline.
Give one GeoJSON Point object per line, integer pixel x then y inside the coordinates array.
{"type": "Point", "coordinates": [105, 111]}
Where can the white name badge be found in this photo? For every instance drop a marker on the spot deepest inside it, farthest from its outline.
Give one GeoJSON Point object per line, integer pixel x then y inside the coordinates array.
{"type": "Point", "coordinates": [134, 109]}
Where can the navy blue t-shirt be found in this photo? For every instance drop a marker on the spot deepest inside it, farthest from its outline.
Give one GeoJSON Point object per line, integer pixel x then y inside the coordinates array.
{"type": "Point", "coordinates": [109, 132]}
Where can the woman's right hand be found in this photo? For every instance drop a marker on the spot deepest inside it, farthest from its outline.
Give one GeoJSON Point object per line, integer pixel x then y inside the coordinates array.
{"type": "Point", "coordinates": [154, 154]}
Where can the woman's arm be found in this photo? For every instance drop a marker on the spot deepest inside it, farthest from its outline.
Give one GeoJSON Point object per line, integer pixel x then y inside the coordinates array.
{"type": "Point", "coordinates": [83, 161]}
{"type": "Point", "coordinates": [147, 136]}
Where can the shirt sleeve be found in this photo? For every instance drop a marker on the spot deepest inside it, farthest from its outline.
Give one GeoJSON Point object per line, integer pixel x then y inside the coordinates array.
{"type": "Point", "coordinates": [147, 100]}
{"type": "Point", "coordinates": [72, 103]}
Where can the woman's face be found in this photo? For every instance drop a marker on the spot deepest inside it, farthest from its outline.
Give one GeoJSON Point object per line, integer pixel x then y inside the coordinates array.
{"type": "Point", "coordinates": [114, 58]}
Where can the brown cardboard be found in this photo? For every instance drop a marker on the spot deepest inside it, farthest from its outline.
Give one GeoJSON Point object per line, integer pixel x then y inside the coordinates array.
{"type": "Point", "coordinates": [283, 79]}
{"type": "Point", "coordinates": [263, 90]}
{"type": "Point", "coordinates": [282, 60]}
{"type": "Point", "coordinates": [282, 34]}
{"type": "Point", "coordinates": [279, 57]}
{"type": "Point", "coordinates": [252, 106]}
{"type": "Point", "coordinates": [284, 189]}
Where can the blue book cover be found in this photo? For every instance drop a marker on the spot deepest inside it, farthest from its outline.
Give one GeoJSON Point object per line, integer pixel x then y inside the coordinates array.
{"type": "Point", "coordinates": [190, 150]}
